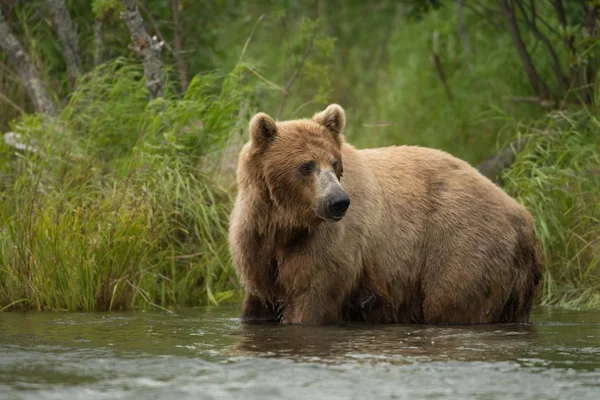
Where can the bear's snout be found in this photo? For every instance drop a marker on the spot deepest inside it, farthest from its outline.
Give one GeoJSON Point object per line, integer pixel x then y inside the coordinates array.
{"type": "Point", "coordinates": [337, 206]}
{"type": "Point", "coordinates": [332, 200]}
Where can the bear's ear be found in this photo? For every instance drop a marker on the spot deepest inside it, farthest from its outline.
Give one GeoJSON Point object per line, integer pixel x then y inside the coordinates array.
{"type": "Point", "coordinates": [262, 129]}
{"type": "Point", "coordinates": [333, 118]}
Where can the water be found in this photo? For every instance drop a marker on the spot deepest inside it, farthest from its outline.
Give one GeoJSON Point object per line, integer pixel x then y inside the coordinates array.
{"type": "Point", "coordinates": [207, 354]}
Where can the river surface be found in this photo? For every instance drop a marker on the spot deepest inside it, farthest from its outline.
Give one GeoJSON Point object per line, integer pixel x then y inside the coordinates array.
{"type": "Point", "coordinates": [207, 354]}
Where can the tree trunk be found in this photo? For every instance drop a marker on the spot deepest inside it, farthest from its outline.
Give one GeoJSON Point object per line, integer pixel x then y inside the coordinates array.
{"type": "Point", "coordinates": [67, 37]}
{"type": "Point", "coordinates": [147, 48]}
{"type": "Point", "coordinates": [536, 83]}
{"type": "Point", "coordinates": [22, 63]}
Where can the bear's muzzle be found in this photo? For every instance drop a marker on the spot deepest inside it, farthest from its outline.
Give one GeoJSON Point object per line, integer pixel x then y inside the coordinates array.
{"type": "Point", "coordinates": [332, 200]}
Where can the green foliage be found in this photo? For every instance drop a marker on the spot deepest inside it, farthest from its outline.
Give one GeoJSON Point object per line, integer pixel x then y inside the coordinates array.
{"type": "Point", "coordinates": [122, 206]}
{"type": "Point", "coordinates": [293, 48]}
{"type": "Point", "coordinates": [557, 177]}
{"type": "Point", "coordinates": [114, 211]}
{"type": "Point", "coordinates": [404, 100]}
{"type": "Point", "coordinates": [377, 64]}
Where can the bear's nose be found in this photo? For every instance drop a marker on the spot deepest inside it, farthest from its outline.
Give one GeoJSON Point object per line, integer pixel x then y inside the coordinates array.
{"type": "Point", "coordinates": [337, 206]}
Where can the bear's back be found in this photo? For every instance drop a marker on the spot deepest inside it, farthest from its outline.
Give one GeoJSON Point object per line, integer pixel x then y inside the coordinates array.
{"type": "Point", "coordinates": [421, 171]}
{"type": "Point", "coordinates": [423, 194]}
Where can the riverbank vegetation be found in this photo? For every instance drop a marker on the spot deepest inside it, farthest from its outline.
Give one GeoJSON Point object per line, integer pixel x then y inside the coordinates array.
{"type": "Point", "coordinates": [116, 182]}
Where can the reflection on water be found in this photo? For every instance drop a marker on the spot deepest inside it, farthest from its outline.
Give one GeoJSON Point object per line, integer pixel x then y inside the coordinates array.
{"type": "Point", "coordinates": [206, 353]}
{"type": "Point", "coordinates": [397, 344]}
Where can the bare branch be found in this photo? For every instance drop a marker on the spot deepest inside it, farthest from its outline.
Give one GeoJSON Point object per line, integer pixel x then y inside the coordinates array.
{"type": "Point", "coordinates": [531, 23]}
{"type": "Point", "coordinates": [147, 48]}
{"type": "Point", "coordinates": [591, 18]}
{"type": "Point", "coordinates": [488, 14]}
{"type": "Point", "coordinates": [536, 83]}
{"type": "Point", "coordinates": [11, 103]}
{"type": "Point", "coordinates": [560, 13]}
{"type": "Point", "coordinates": [549, 27]}
{"type": "Point", "coordinates": [492, 167]}
{"type": "Point", "coordinates": [484, 15]}
{"type": "Point", "coordinates": [435, 60]}
{"type": "Point", "coordinates": [67, 37]}
{"type": "Point", "coordinates": [545, 103]}
{"type": "Point", "coordinates": [577, 78]}
{"type": "Point", "coordinates": [22, 63]}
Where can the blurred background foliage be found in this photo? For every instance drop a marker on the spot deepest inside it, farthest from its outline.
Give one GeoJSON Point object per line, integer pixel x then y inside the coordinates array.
{"type": "Point", "coordinates": [122, 202]}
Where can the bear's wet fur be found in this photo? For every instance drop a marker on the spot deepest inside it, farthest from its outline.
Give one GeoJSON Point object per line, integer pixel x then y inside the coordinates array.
{"type": "Point", "coordinates": [322, 232]}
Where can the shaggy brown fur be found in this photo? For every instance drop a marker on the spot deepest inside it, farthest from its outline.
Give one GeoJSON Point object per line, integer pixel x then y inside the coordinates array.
{"type": "Point", "coordinates": [426, 238]}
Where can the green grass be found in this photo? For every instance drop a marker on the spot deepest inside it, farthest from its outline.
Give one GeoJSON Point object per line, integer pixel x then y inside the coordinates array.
{"type": "Point", "coordinates": [558, 178]}
{"type": "Point", "coordinates": [117, 209]}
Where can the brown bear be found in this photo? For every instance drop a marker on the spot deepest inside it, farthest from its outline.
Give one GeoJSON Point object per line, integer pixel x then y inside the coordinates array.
{"type": "Point", "coordinates": [322, 232]}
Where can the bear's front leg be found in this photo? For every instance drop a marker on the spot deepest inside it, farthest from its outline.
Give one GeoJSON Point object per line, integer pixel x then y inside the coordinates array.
{"type": "Point", "coordinates": [256, 311]}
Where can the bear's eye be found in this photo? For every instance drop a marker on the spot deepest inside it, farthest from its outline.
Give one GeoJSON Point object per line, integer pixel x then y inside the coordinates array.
{"type": "Point", "coordinates": [334, 165]}
{"type": "Point", "coordinates": [307, 168]}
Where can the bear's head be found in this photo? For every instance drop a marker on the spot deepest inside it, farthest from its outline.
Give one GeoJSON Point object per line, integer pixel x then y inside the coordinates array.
{"type": "Point", "coordinates": [299, 163]}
